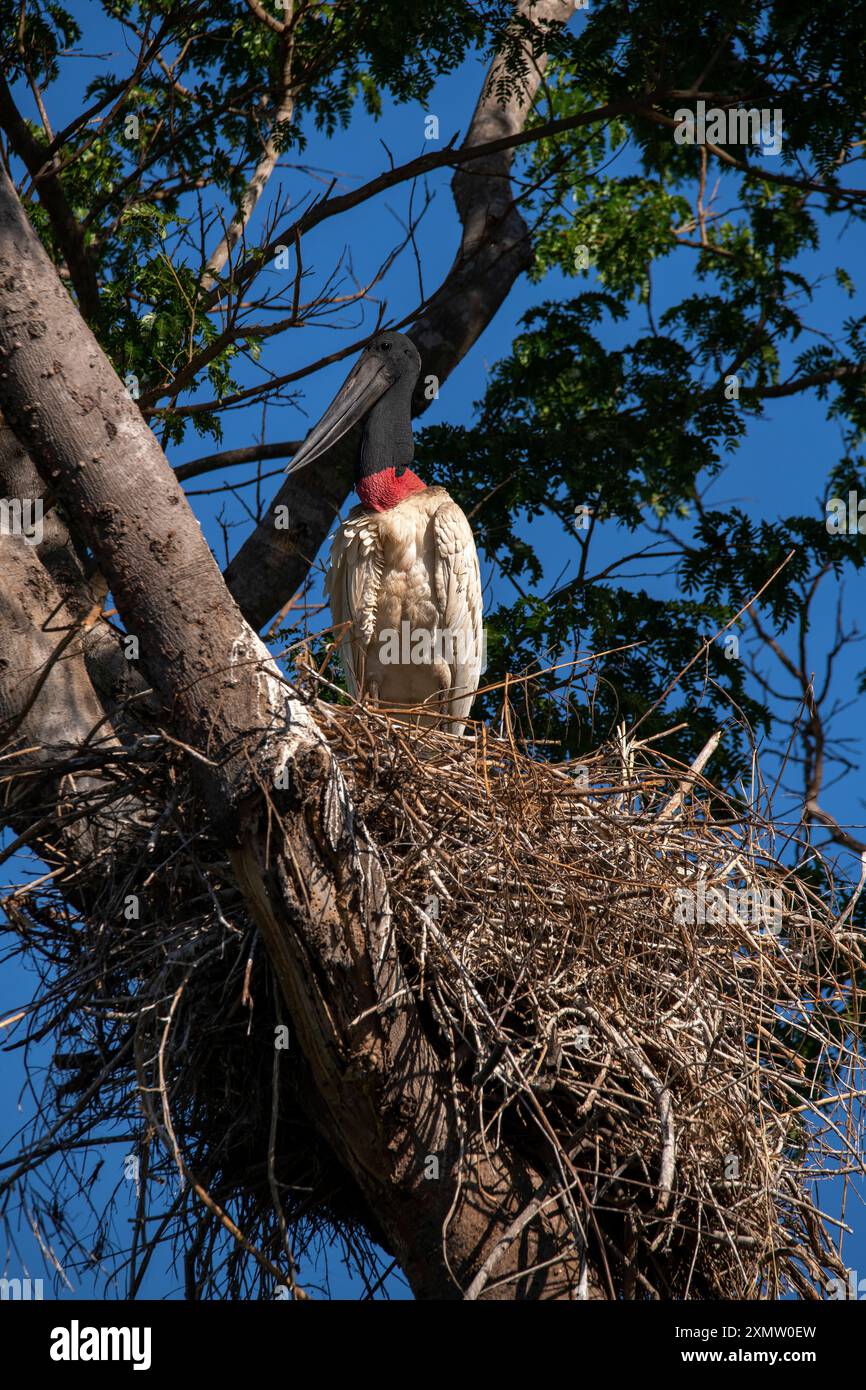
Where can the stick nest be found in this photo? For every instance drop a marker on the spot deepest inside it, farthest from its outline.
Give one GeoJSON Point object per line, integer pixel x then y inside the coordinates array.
{"type": "Point", "coordinates": [615, 969]}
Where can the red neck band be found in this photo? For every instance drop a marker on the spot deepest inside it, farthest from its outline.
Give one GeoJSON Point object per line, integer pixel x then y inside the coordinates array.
{"type": "Point", "coordinates": [381, 491]}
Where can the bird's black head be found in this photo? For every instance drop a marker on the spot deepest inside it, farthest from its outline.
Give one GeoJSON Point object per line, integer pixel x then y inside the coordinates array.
{"type": "Point", "coordinates": [398, 354]}
{"type": "Point", "coordinates": [389, 368]}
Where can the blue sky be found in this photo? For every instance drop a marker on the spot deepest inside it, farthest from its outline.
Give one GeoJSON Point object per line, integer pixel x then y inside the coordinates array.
{"type": "Point", "coordinates": [781, 467]}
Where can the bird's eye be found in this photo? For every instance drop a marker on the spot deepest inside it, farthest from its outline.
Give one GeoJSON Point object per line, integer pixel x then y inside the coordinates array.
{"type": "Point", "coordinates": [386, 347]}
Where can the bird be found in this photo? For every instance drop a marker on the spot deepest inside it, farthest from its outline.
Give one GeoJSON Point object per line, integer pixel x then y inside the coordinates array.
{"type": "Point", "coordinates": [403, 580]}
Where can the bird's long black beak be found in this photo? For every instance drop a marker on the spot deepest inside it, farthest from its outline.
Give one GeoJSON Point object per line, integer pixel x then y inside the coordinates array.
{"type": "Point", "coordinates": [369, 379]}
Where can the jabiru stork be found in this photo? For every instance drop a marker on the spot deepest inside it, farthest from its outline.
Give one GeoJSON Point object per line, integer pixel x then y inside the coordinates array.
{"type": "Point", "coordinates": [403, 580]}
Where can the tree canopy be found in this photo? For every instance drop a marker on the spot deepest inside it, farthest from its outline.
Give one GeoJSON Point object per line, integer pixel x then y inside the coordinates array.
{"type": "Point", "coordinates": [684, 273]}
{"type": "Point", "coordinates": [145, 200]}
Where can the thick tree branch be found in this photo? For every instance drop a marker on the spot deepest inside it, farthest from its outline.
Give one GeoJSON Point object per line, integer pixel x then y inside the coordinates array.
{"type": "Point", "coordinates": [495, 246]}
{"type": "Point", "coordinates": [70, 237]}
{"type": "Point", "coordinates": [49, 715]}
{"type": "Point", "coordinates": [47, 704]}
{"type": "Point", "coordinates": [114, 678]}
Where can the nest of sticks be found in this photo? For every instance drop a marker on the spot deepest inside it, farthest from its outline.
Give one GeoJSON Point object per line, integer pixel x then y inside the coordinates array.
{"type": "Point", "coordinates": [610, 959]}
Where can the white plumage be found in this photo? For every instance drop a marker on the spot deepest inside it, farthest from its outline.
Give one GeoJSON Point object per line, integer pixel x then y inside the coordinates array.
{"type": "Point", "coordinates": [395, 576]}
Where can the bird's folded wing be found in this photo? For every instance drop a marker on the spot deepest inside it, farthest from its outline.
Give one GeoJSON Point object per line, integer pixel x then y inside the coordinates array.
{"type": "Point", "coordinates": [458, 592]}
{"type": "Point", "coordinates": [352, 584]}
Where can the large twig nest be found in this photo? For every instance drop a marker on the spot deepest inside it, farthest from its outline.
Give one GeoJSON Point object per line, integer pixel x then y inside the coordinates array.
{"type": "Point", "coordinates": [616, 973]}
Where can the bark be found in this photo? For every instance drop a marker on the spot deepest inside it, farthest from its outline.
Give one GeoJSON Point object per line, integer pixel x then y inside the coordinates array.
{"type": "Point", "coordinates": [312, 877]}
{"type": "Point", "coordinates": [63, 676]}
{"type": "Point", "coordinates": [70, 237]}
{"type": "Point", "coordinates": [49, 713]}
{"type": "Point", "coordinates": [48, 706]}
{"type": "Point", "coordinates": [495, 246]}
{"type": "Point", "coordinates": [114, 678]}
{"type": "Point", "coordinates": [494, 250]}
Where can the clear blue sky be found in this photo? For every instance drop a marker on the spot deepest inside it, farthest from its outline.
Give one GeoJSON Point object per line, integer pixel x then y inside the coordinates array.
{"type": "Point", "coordinates": [781, 466]}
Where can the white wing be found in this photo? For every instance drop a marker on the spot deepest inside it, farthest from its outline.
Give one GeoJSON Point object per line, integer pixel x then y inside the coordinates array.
{"type": "Point", "coordinates": [352, 585]}
{"type": "Point", "coordinates": [458, 592]}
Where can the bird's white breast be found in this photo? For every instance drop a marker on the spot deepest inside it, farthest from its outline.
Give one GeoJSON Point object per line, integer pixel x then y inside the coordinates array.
{"type": "Point", "coordinates": [383, 586]}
